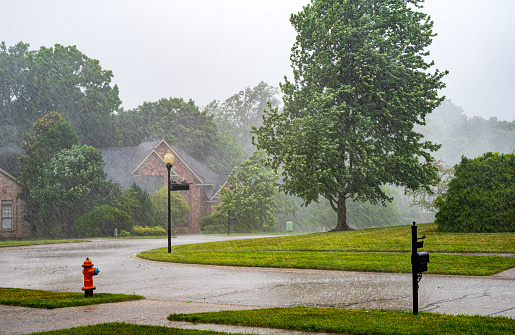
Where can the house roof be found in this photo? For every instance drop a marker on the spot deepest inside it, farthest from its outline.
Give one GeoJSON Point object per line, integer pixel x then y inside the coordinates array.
{"type": "Point", "coordinates": [8, 175]}
{"type": "Point", "coordinates": [121, 164]}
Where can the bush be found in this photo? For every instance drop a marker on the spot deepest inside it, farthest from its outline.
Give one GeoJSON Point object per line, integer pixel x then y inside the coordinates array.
{"type": "Point", "coordinates": [149, 231]}
{"type": "Point", "coordinates": [217, 218]}
{"type": "Point", "coordinates": [125, 233]}
{"type": "Point", "coordinates": [481, 197]}
{"type": "Point", "coordinates": [102, 221]}
{"type": "Point", "coordinates": [214, 229]}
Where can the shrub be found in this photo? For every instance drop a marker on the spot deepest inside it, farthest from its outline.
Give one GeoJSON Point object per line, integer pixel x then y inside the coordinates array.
{"type": "Point", "coordinates": [149, 231]}
{"type": "Point", "coordinates": [125, 233]}
{"type": "Point", "coordinates": [214, 229]}
{"type": "Point", "coordinates": [481, 197]}
{"type": "Point", "coordinates": [102, 221]}
{"type": "Point", "coordinates": [217, 218]}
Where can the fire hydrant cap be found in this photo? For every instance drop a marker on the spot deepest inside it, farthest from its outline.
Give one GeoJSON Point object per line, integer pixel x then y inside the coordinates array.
{"type": "Point", "coordinates": [87, 263]}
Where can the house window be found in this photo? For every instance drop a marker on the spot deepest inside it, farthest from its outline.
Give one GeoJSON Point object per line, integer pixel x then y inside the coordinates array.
{"type": "Point", "coordinates": [7, 216]}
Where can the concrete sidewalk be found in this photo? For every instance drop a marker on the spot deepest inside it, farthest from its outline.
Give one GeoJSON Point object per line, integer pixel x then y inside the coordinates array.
{"type": "Point", "coordinates": [22, 320]}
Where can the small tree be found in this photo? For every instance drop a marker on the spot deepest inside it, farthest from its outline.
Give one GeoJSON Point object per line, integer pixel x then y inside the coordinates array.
{"type": "Point", "coordinates": [481, 197]}
{"type": "Point", "coordinates": [144, 212]}
{"type": "Point", "coordinates": [70, 185]}
{"type": "Point", "coordinates": [252, 194]}
{"type": "Point", "coordinates": [180, 208]}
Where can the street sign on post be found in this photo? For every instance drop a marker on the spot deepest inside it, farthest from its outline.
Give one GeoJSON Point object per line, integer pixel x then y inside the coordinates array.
{"type": "Point", "coordinates": [182, 186]}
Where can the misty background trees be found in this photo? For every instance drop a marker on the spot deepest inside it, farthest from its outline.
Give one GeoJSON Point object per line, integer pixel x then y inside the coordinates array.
{"type": "Point", "coordinates": [57, 106]}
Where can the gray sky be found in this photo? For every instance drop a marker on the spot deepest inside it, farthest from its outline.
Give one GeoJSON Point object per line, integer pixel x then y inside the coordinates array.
{"type": "Point", "coordinates": [211, 49]}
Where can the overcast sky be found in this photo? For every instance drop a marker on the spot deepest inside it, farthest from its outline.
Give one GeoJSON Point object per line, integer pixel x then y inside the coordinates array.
{"type": "Point", "coordinates": [208, 50]}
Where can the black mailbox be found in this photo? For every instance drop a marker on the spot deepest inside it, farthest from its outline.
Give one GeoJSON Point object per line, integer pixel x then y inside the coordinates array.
{"type": "Point", "coordinates": [422, 260]}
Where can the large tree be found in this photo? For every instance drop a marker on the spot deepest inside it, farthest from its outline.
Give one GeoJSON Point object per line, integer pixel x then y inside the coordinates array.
{"type": "Point", "coordinates": [361, 83]}
{"type": "Point", "coordinates": [51, 134]}
{"type": "Point", "coordinates": [59, 79]}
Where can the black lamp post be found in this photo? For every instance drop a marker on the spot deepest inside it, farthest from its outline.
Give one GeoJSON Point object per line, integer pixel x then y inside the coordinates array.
{"type": "Point", "coordinates": [169, 159]}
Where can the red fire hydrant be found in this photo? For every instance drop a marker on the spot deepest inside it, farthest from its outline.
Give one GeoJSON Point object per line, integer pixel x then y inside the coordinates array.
{"type": "Point", "coordinates": [89, 271]}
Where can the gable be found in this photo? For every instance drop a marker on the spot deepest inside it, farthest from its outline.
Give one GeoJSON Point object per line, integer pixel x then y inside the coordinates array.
{"type": "Point", "coordinates": [143, 165]}
{"type": "Point", "coordinates": [9, 187]}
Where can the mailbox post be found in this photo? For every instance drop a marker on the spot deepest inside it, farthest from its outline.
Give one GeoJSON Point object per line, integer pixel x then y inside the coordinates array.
{"type": "Point", "coordinates": [419, 262]}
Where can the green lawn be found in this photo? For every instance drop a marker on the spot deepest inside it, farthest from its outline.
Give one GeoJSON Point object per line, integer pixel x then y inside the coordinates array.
{"type": "Point", "coordinates": [16, 243]}
{"type": "Point", "coordinates": [371, 250]}
{"type": "Point", "coordinates": [128, 329]}
{"type": "Point", "coordinates": [335, 320]}
{"type": "Point", "coordinates": [51, 299]}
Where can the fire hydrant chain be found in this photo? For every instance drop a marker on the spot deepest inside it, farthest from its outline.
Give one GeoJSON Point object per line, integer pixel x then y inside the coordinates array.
{"type": "Point", "coordinates": [89, 271]}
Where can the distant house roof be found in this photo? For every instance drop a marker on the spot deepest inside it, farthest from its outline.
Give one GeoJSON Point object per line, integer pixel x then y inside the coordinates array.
{"type": "Point", "coordinates": [8, 175]}
{"type": "Point", "coordinates": [121, 164]}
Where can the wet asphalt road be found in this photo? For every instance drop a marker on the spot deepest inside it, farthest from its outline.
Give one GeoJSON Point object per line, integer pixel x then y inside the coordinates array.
{"type": "Point", "coordinates": [58, 268]}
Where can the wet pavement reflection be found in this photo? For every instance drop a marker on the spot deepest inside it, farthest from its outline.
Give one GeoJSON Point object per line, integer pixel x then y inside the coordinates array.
{"type": "Point", "coordinates": [58, 268]}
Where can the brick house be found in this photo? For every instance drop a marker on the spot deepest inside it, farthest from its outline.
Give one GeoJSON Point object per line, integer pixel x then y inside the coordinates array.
{"type": "Point", "coordinates": [144, 165]}
{"type": "Point", "coordinates": [11, 208]}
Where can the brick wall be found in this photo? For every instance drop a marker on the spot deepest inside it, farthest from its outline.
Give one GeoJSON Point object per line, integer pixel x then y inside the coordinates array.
{"type": "Point", "coordinates": [9, 190]}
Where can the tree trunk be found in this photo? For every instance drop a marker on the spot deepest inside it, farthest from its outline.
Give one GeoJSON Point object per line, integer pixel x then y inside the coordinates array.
{"type": "Point", "coordinates": [341, 210]}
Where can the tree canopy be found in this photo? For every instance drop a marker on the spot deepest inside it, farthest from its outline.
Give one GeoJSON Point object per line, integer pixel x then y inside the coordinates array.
{"type": "Point", "coordinates": [361, 83]}
{"type": "Point", "coordinates": [70, 185]}
{"type": "Point", "coordinates": [180, 123]}
{"type": "Point", "coordinates": [460, 135]}
{"type": "Point", "coordinates": [251, 195]}
{"type": "Point", "coordinates": [61, 80]}
{"type": "Point", "coordinates": [239, 113]}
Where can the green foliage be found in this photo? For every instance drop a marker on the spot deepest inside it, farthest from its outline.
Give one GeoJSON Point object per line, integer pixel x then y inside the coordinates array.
{"type": "Point", "coordinates": [149, 231]}
{"type": "Point", "coordinates": [125, 233]}
{"type": "Point", "coordinates": [251, 195]}
{"type": "Point", "coordinates": [144, 211]}
{"type": "Point", "coordinates": [61, 80]}
{"type": "Point", "coordinates": [102, 220]}
{"type": "Point", "coordinates": [361, 83]}
{"type": "Point", "coordinates": [192, 130]}
{"type": "Point", "coordinates": [238, 114]}
{"type": "Point", "coordinates": [215, 223]}
{"type": "Point", "coordinates": [215, 229]}
{"type": "Point", "coordinates": [69, 186]}
{"type": "Point", "coordinates": [481, 197]}
{"type": "Point", "coordinates": [179, 208]}
{"type": "Point", "coordinates": [51, 134]}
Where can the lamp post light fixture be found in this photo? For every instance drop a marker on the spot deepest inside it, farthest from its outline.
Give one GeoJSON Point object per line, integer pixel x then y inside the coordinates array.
{"type": "Point", "coordinates": [169, 159]}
